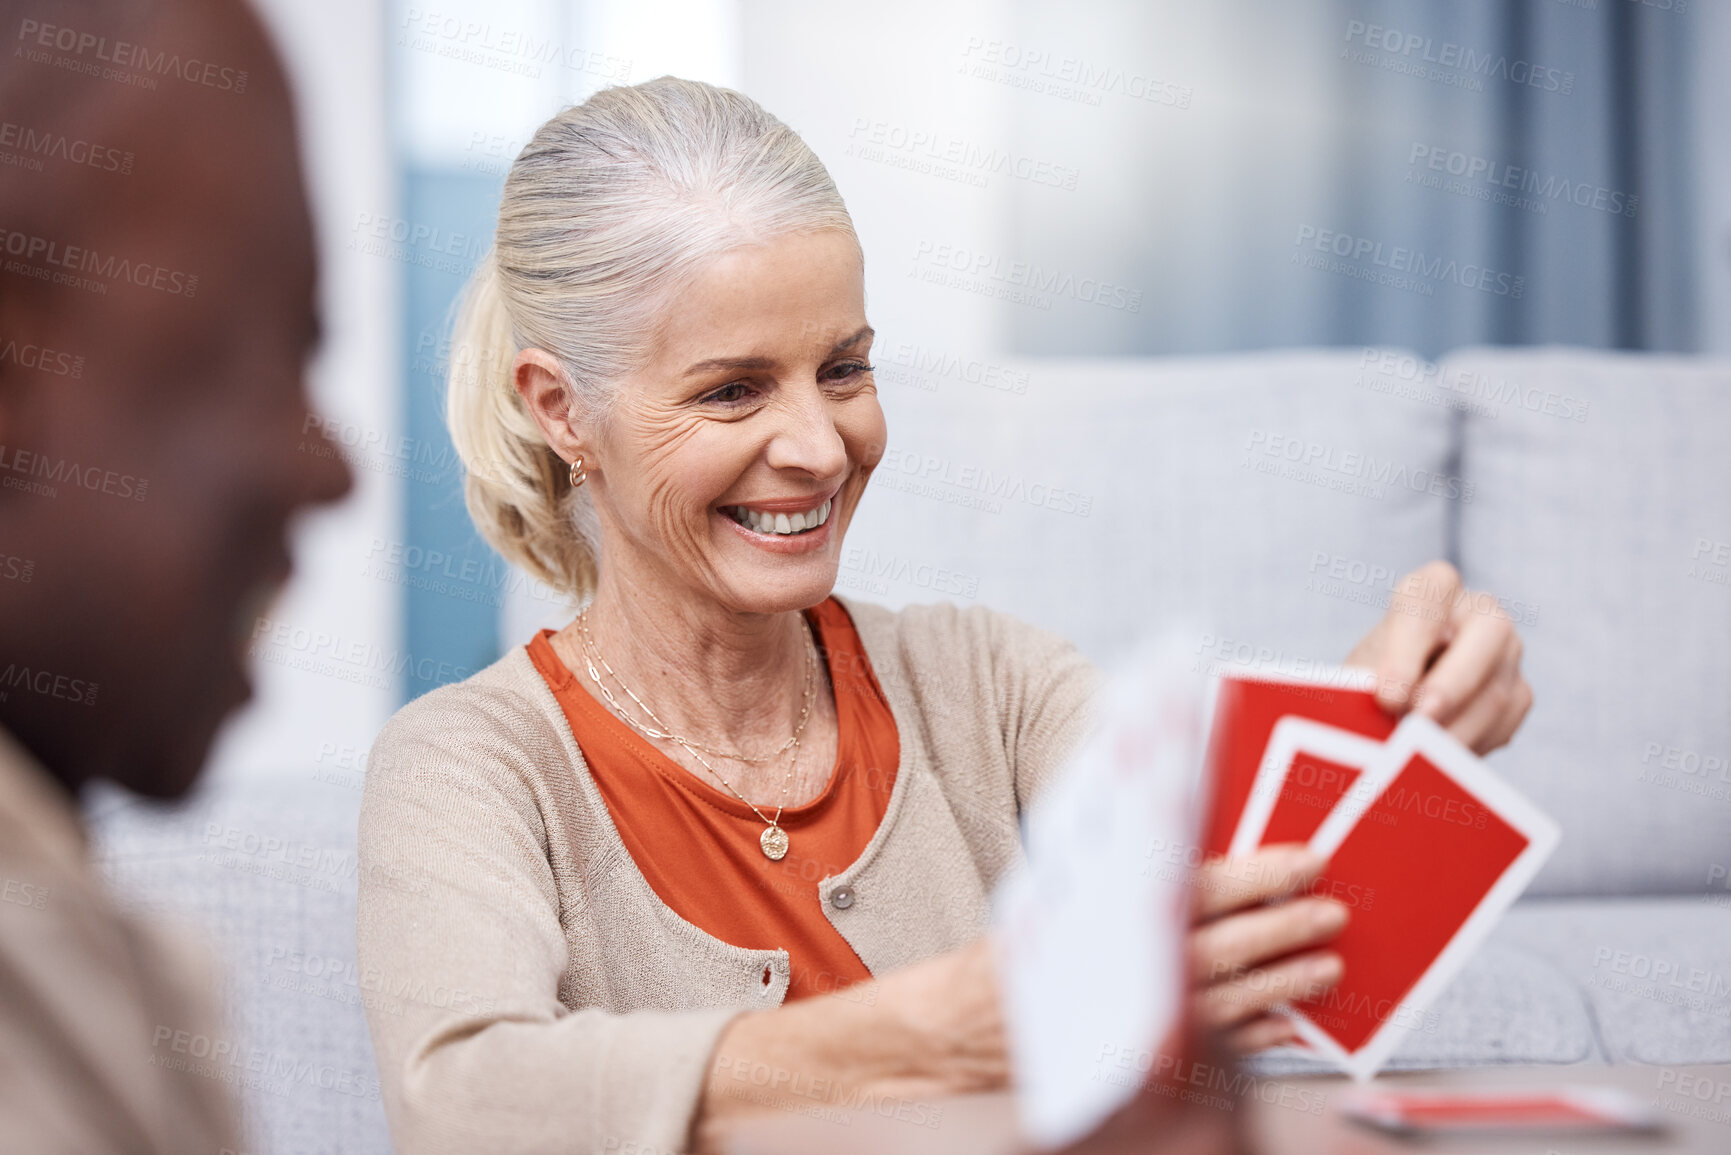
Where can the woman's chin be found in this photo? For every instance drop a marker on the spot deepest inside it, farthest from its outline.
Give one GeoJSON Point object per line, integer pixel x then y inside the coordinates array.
{"type": "Point", "coordinates": [774, 589]}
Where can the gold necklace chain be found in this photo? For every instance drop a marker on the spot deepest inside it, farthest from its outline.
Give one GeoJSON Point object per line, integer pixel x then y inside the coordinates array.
{"type": "Point", "coordinates": [660, 730]}
{"type": "Point", "coordinates": [773, 840]}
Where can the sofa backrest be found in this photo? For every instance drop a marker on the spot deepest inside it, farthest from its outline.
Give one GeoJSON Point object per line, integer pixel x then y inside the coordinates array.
{"type": "Point", "coordinates": [1603, 504]}
{"type": "Point", "coordinates": [1270, 499]}
{"type": "Point", "coordinates": [1273, 500]}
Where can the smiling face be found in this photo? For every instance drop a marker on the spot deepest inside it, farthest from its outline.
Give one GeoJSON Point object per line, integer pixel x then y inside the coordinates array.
{"type": "Point", "coordinates": [730, 464]}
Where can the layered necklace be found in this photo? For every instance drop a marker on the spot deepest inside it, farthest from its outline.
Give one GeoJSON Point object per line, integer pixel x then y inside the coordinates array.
{"type": "Point", "coordinates": [773, 840]}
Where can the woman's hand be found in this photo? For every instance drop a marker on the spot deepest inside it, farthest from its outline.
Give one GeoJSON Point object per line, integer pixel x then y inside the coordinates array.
{"type": "Point", "coordinates": [1247, 955]}
{"type": "Point", "coordinates": [915, 1036]}
{"type": "Point", "coordinates": [1445, 652]}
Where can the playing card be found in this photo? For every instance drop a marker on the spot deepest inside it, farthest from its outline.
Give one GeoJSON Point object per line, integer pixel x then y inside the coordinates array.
{"type": "Point", "coordinates": [1247, 711]}
{"type": "Point", "coordinates": [1441, 847]}
{"type": "Point", "coordinates": [1090, 932]}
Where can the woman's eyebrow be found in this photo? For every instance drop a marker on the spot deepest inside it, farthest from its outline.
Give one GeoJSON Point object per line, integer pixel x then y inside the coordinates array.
{"type": "Point", "coordinates": [715, 363]}
{"type": "Point", "coordinates": [731, 363]}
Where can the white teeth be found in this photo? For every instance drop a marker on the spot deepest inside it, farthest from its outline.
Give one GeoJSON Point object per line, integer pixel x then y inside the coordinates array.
{"type": "Point", "coordinates": [780, 523]}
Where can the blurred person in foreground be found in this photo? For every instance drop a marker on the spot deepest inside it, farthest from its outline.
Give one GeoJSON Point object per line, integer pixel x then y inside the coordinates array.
{"type": "Point", "coordinates": [156, 312]}
{"type": "Point", "coordinates": [726, 824]}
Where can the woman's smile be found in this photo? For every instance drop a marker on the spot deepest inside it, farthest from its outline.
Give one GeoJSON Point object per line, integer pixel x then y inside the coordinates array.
{"type": "Point", "coordinates": [785, 525]}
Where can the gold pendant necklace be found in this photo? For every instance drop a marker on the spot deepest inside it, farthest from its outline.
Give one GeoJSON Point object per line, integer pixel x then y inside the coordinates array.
{"type": "Point", "coordinates": [773, 840]}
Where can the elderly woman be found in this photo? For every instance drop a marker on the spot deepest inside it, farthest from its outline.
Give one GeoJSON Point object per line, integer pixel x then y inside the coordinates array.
{"type": "Point", "coordinates": [726, 841]}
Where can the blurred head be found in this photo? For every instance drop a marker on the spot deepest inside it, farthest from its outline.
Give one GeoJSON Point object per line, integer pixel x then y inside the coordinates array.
{"type": "Point", "coordinates": [675, 297]}
{"type": "Point", "coordinates": [158, 305]}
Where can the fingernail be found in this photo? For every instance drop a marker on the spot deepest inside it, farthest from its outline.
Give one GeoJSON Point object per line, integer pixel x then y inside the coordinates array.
{"type": "Point", "coordinates": [1326, 969]}
{"type": "Point", "coordinates": [1328, 916]}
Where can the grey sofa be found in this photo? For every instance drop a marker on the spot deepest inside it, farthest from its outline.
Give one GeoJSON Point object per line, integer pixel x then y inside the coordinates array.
{"type": "Point", "coordinates": [1273, 499]}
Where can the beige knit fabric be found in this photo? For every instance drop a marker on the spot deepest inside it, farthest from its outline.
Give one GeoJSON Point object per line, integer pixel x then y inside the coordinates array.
{"type": "Point", "coordinates": [110, 1039]}
{"type": "Point", "coordinates": [534, 995]}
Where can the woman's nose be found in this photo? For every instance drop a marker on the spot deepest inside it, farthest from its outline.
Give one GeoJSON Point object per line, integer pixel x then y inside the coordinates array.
{"type": "Point", "coordinates": [806, 437]}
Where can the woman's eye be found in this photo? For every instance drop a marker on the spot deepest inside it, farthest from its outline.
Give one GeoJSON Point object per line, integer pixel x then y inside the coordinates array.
{"type": "Point", "coordinates": [731, 394]}
{"type": "Point", "coordinates": [848, 369]}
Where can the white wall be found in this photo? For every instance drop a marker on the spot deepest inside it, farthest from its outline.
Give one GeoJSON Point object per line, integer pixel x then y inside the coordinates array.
{"type": "Point", "coordinates": [334, 53]}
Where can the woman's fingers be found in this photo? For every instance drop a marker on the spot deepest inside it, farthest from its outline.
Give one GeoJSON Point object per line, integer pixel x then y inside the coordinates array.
{"type": "Point", "coordinates": [1274, 872]}
{"type": "Point", "coordinates": [1476, 688]}
{"type": "Point", "coordinates": [1418, 623]}
{"type": "Point", "coordinates": [1261, 1033]}
{"type": "Point", "coordinates": [1251, 993]}
{"type": "Point", "coordinates": [1449, 653]}
{"type": "Point", "coordinates": [1229, 946]}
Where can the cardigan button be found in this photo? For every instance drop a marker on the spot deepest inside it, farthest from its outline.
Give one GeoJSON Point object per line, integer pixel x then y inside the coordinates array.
{"type": "Point", "coordinates": [841, 897]}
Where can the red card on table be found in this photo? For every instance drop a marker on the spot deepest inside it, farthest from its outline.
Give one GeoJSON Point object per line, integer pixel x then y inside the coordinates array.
{"type": "Point", "coordinates": [1434, 847]}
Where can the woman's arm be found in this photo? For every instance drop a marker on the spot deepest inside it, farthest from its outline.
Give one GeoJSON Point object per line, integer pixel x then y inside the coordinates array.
{"type": "Point", "coordinates": [894, 1045]}
{"type": "Point", "coordinates": [462, 955]}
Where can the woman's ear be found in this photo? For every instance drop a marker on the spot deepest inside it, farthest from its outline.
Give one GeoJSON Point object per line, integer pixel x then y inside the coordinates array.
{"type": "Point", "coordinates": [548, 394]}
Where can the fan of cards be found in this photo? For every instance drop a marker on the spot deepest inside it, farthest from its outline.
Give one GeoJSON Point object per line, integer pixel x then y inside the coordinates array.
{"type": "Point", "coordinates": [1426, 846]}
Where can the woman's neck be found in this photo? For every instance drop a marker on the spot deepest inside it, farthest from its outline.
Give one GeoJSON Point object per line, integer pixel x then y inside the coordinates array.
{"type": "Point", "coordinates": [713, 675]}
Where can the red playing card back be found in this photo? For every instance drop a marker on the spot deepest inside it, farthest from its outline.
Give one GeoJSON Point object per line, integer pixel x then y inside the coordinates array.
{"type": "Point", "coordinates": [1312, 787]}
{"type": "Point", "coordinates": [1245, 714]}
{"type": "Point", "coordinates": [1426, 852]}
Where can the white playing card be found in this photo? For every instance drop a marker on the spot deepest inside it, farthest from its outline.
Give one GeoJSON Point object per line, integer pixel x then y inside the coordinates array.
{"type": "Point", "coordinates": [1090, 932]}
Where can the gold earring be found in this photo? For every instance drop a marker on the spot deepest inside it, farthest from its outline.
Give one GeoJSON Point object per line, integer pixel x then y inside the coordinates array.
{"type": "Point", "coordinates": [578, 474]}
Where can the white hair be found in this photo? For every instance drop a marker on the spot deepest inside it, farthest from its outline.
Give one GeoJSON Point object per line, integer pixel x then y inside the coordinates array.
{"type": "Point", "coordinates": [611, 207]}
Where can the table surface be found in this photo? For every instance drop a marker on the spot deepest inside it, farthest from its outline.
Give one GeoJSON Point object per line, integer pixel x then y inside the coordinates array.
{"type": "Point", "coordinates": [1295, 1116]}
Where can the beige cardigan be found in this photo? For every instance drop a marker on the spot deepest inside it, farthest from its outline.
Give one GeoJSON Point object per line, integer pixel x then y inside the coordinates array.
{"type": "Point", "coordinates": [531, 993]}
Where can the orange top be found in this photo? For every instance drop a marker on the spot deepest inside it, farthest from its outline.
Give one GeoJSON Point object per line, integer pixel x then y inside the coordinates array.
{"type": "Point", "coordinates": [698, 846]}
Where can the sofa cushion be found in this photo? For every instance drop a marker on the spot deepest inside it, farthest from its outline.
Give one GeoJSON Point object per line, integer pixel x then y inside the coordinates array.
{"type": "Point", "coordinates": [1657, 971]}
{"type": "Point", "coordinates": [264, 871]}
{"type": "Point", "coordinates": [1602, 516]}
{"type": "Point", "coordinates": [1271, 499]}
